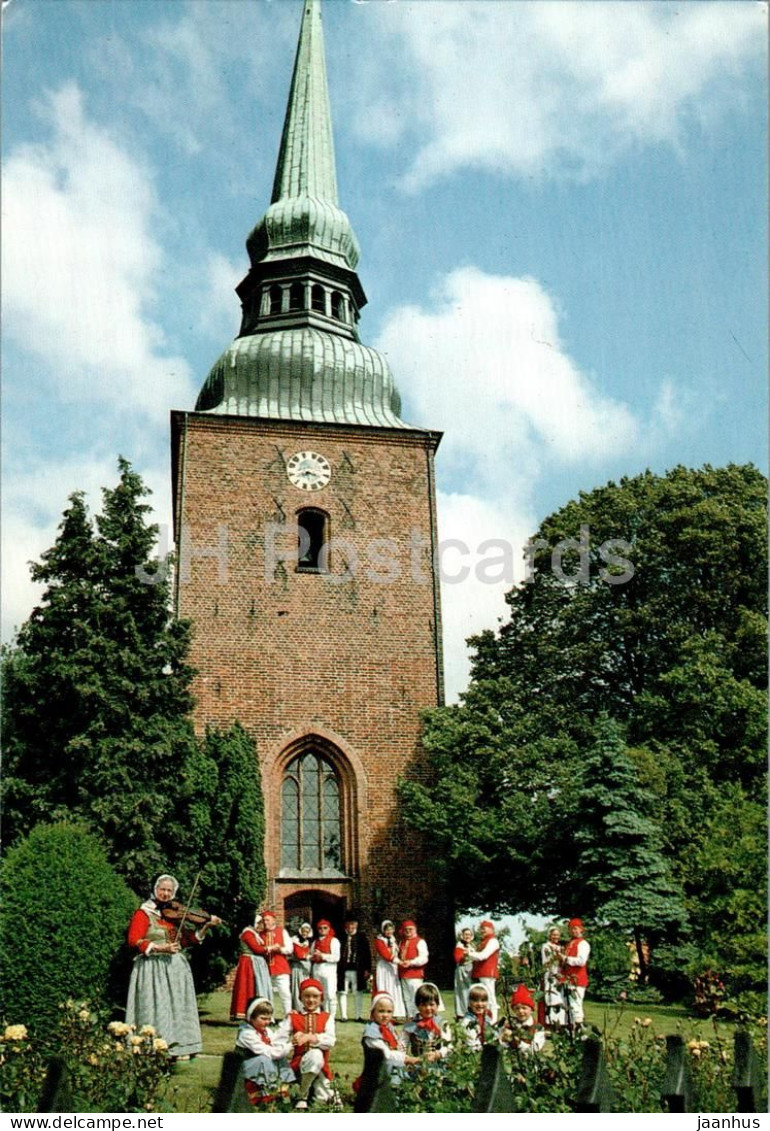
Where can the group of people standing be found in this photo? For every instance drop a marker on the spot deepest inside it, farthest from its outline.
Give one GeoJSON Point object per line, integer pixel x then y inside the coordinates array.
{"type": "Point", "coordinates": [273, 965]}
{"type": "Point", "coordinates": [564, 972]}
{"type": "Point", "coordinates": [312, 974]}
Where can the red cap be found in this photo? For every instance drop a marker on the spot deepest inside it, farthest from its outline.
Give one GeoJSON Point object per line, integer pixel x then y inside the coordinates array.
{"type": "Point", "coordinates": [488, 923]}
{"type": "Point", "coordinates": [576, 923]}
{"type": "Point", "coordinates": [311, 984]}
{"type": "Point", "coordinates": [323, 923]}
{"type": "Point", "coordinates": [522, 996]}
{"type": "Point", "coordinates": [272, 914]}
{"type": "Point", "coordinates": [408, 923]}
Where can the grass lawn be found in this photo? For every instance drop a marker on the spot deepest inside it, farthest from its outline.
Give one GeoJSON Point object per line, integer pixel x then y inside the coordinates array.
{"type": "Point", "coordinates": [192, 1087]}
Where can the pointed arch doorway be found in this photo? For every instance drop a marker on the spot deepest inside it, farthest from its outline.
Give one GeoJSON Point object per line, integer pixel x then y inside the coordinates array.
{"type": "Point", "coordinates": [312, 904]}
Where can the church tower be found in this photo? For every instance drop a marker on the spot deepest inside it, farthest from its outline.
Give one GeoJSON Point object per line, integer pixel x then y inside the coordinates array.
{"type": "Point", "coordinates": [304, 512]}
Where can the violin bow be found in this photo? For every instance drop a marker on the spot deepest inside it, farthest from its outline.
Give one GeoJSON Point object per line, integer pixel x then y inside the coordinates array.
{"type": "Point", "coordinates": [180, 928]}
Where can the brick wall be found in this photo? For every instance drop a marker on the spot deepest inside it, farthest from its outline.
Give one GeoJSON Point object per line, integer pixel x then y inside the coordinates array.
{"type": "Point", "coordinates": [345, 661]}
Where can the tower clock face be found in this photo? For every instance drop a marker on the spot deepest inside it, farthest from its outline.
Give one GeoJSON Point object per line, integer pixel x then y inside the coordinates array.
{"type": "Point", "coordinates": [308, 471]}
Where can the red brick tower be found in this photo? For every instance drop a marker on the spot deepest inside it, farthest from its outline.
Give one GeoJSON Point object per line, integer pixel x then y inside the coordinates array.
{"type": "Point", "coordinates": [305, 520]}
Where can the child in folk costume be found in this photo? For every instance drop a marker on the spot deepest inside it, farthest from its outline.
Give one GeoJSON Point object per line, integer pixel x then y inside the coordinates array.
{"type": "Point", "coordinates": [301, 968]}
{"type": "Point", "coordinates": [521, 1032]}
{"type": "Point", "coordinates": [277, 949]}
{"type": "Point", "coordinates": [252, 977]}
{"type": "Point", "coordinates": [386, 979]}
{"type": "Point", "coordinates": [574, 972]}
{"type": "Point", "coordinates": [486, 963]}
{"type": "Point", "coordinates": [380, 1033]}
{"type": "Point", "coordinates": [551, 954]}
{"type": "Point", "coordinates": [478, 1023]}
{"type": "Point", "coordinates": [429, 1039]}
{"type": "Point", "coordinates": [463, 966]}
{"type": "Point", "coordinates": [325, 957]}
{"type": "Point", "coordinates": [412, 960]}
{"type": "Point", "coordinates": [311, 1034]}
{"type": "Point", "coordinates": [266, 1068]}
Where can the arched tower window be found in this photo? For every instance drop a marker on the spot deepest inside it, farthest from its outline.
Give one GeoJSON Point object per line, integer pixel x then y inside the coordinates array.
{"type": "Point", "coordinates": [318, 298]}
{"type": "Point", "coordinates": [276, 299]}
{"type": "Point", "coordinates": [338, 306]}
{"type": "Point", "coordinates": [296, 296]}
{"type": "Point", "coordinates": [311, 817]}
{"type": "Point", "coordinates": [312, 526]}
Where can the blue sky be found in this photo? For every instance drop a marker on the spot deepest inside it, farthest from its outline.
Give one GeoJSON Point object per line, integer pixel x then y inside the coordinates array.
{"type": "Point", "coordinates": [561, 208]}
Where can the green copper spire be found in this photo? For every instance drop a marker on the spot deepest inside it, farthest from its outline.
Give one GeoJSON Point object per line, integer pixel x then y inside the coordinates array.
{"type": "Point", "coordinates": [298, 355]}
{"type": "Point", "coordinates": [306, 160]}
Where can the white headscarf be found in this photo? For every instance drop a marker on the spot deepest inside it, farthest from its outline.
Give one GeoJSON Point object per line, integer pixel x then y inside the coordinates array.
{"type": "Point", "coordinates": [151, 904]}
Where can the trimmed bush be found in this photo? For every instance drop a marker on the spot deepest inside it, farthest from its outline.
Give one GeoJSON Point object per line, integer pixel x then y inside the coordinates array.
{"type": "Point", "coordinates": [63, 927]}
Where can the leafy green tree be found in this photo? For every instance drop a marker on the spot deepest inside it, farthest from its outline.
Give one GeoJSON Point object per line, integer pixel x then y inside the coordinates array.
{"type": "Point", "coordinates": [97, 687]}
{"type": "Point", "coordinates": [65, 912]}
{"type": "Point", "coordinates": [647, 603]}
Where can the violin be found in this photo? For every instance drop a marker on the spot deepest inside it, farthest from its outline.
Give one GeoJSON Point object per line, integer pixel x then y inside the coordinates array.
{"type": "Point", "coordinates": [176, 913]}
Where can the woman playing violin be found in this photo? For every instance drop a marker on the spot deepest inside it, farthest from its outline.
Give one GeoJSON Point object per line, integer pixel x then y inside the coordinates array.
{"type": "Point", "coordinates": [161, 992]}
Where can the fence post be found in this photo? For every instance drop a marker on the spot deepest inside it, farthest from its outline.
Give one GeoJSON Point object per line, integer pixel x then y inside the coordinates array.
{"type": "Point", "coordinates": [594, 1092]}
{"type": "Point", "coordinates": [493, 1089]}
{"type": "Point", "coordinates": [56, 1094]}
{"type": "Point", "coordinates": [231, 1090]}
{"type": "Point", "coordinates": [746, 1072]}
{"type": "Point", "coordinates": [677, 1083]}
{"type": "Point", "coordinates": [375, 1093]}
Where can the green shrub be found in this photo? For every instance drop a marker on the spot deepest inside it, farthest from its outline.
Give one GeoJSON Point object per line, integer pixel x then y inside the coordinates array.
{"type": "Point", "coordinates": [63, 926]}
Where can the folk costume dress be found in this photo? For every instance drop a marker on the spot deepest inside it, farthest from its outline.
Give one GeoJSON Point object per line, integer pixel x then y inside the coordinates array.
{"type": "Point", "coordinates": [478, 1029]}
{"type": "Point", "coordinates": [463, 979]}
{"type": "Point", "coordinates": [161, 991]}
{"type": "Point", "coordinates": [386, 978]}
{"type": "Point", "coordinates": [266, 1059]}
{"type": "Point", "coordinates": [301, 966]}
{"type": "Point", "coordinates": [428, 1035]}
{"type": "Point", "coordinates": [553, 998]}
{"type": "Point", "coordinates": [386, 1039]}
{"type": "Point", "coordinates": [252, 976]}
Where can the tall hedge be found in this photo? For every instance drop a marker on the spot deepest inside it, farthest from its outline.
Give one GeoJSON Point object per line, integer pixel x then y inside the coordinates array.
{"type": "Point", "coordinates": [63, 925]}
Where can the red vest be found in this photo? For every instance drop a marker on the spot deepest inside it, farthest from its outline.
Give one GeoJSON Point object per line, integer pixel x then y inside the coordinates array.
{"type": "Point", "coordinates": [276, 963]}
{"type": "Point", "coordinates": [408, 950]}
{"type": "Point", "coordinates": [309, 1023]}
{"type": "Point", "coordinates": [487, 967]}
{"type": "Point", "coordinates": [575, 975]}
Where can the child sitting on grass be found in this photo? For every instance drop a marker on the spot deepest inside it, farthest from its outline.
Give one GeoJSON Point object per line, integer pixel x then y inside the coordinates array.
{"type": "Point", "coordinates": [380, 1033]}
{"type": "Point", "coordinates": [429, 1040]}
{"type": "Point", "coordinates": [266, 1068]}
{"type": "Point", "coordinates": [311, 1033]}
{"type": "Point", "coordinates": [478, 1021]}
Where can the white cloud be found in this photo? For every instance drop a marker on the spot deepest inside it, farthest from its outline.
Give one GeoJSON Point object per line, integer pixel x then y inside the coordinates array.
{"type": "Point", "coordinates": [482, 557]}
{"type": "Point", "coordinates": [80, 265]}
{"type": "Point", "coordinates": [552, 87]}
{"type": "Point", "coordinates": [485, 363]}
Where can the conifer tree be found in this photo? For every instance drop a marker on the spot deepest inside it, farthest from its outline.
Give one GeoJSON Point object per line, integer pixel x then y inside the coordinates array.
{"type": "Point", "coordinates": [97, 687]}
{"type": "Point", "coordinates": [620, 875]}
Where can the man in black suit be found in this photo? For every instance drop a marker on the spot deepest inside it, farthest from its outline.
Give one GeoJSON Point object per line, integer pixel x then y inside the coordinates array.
{"type": "Point", "coordinates": [355, 967]}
